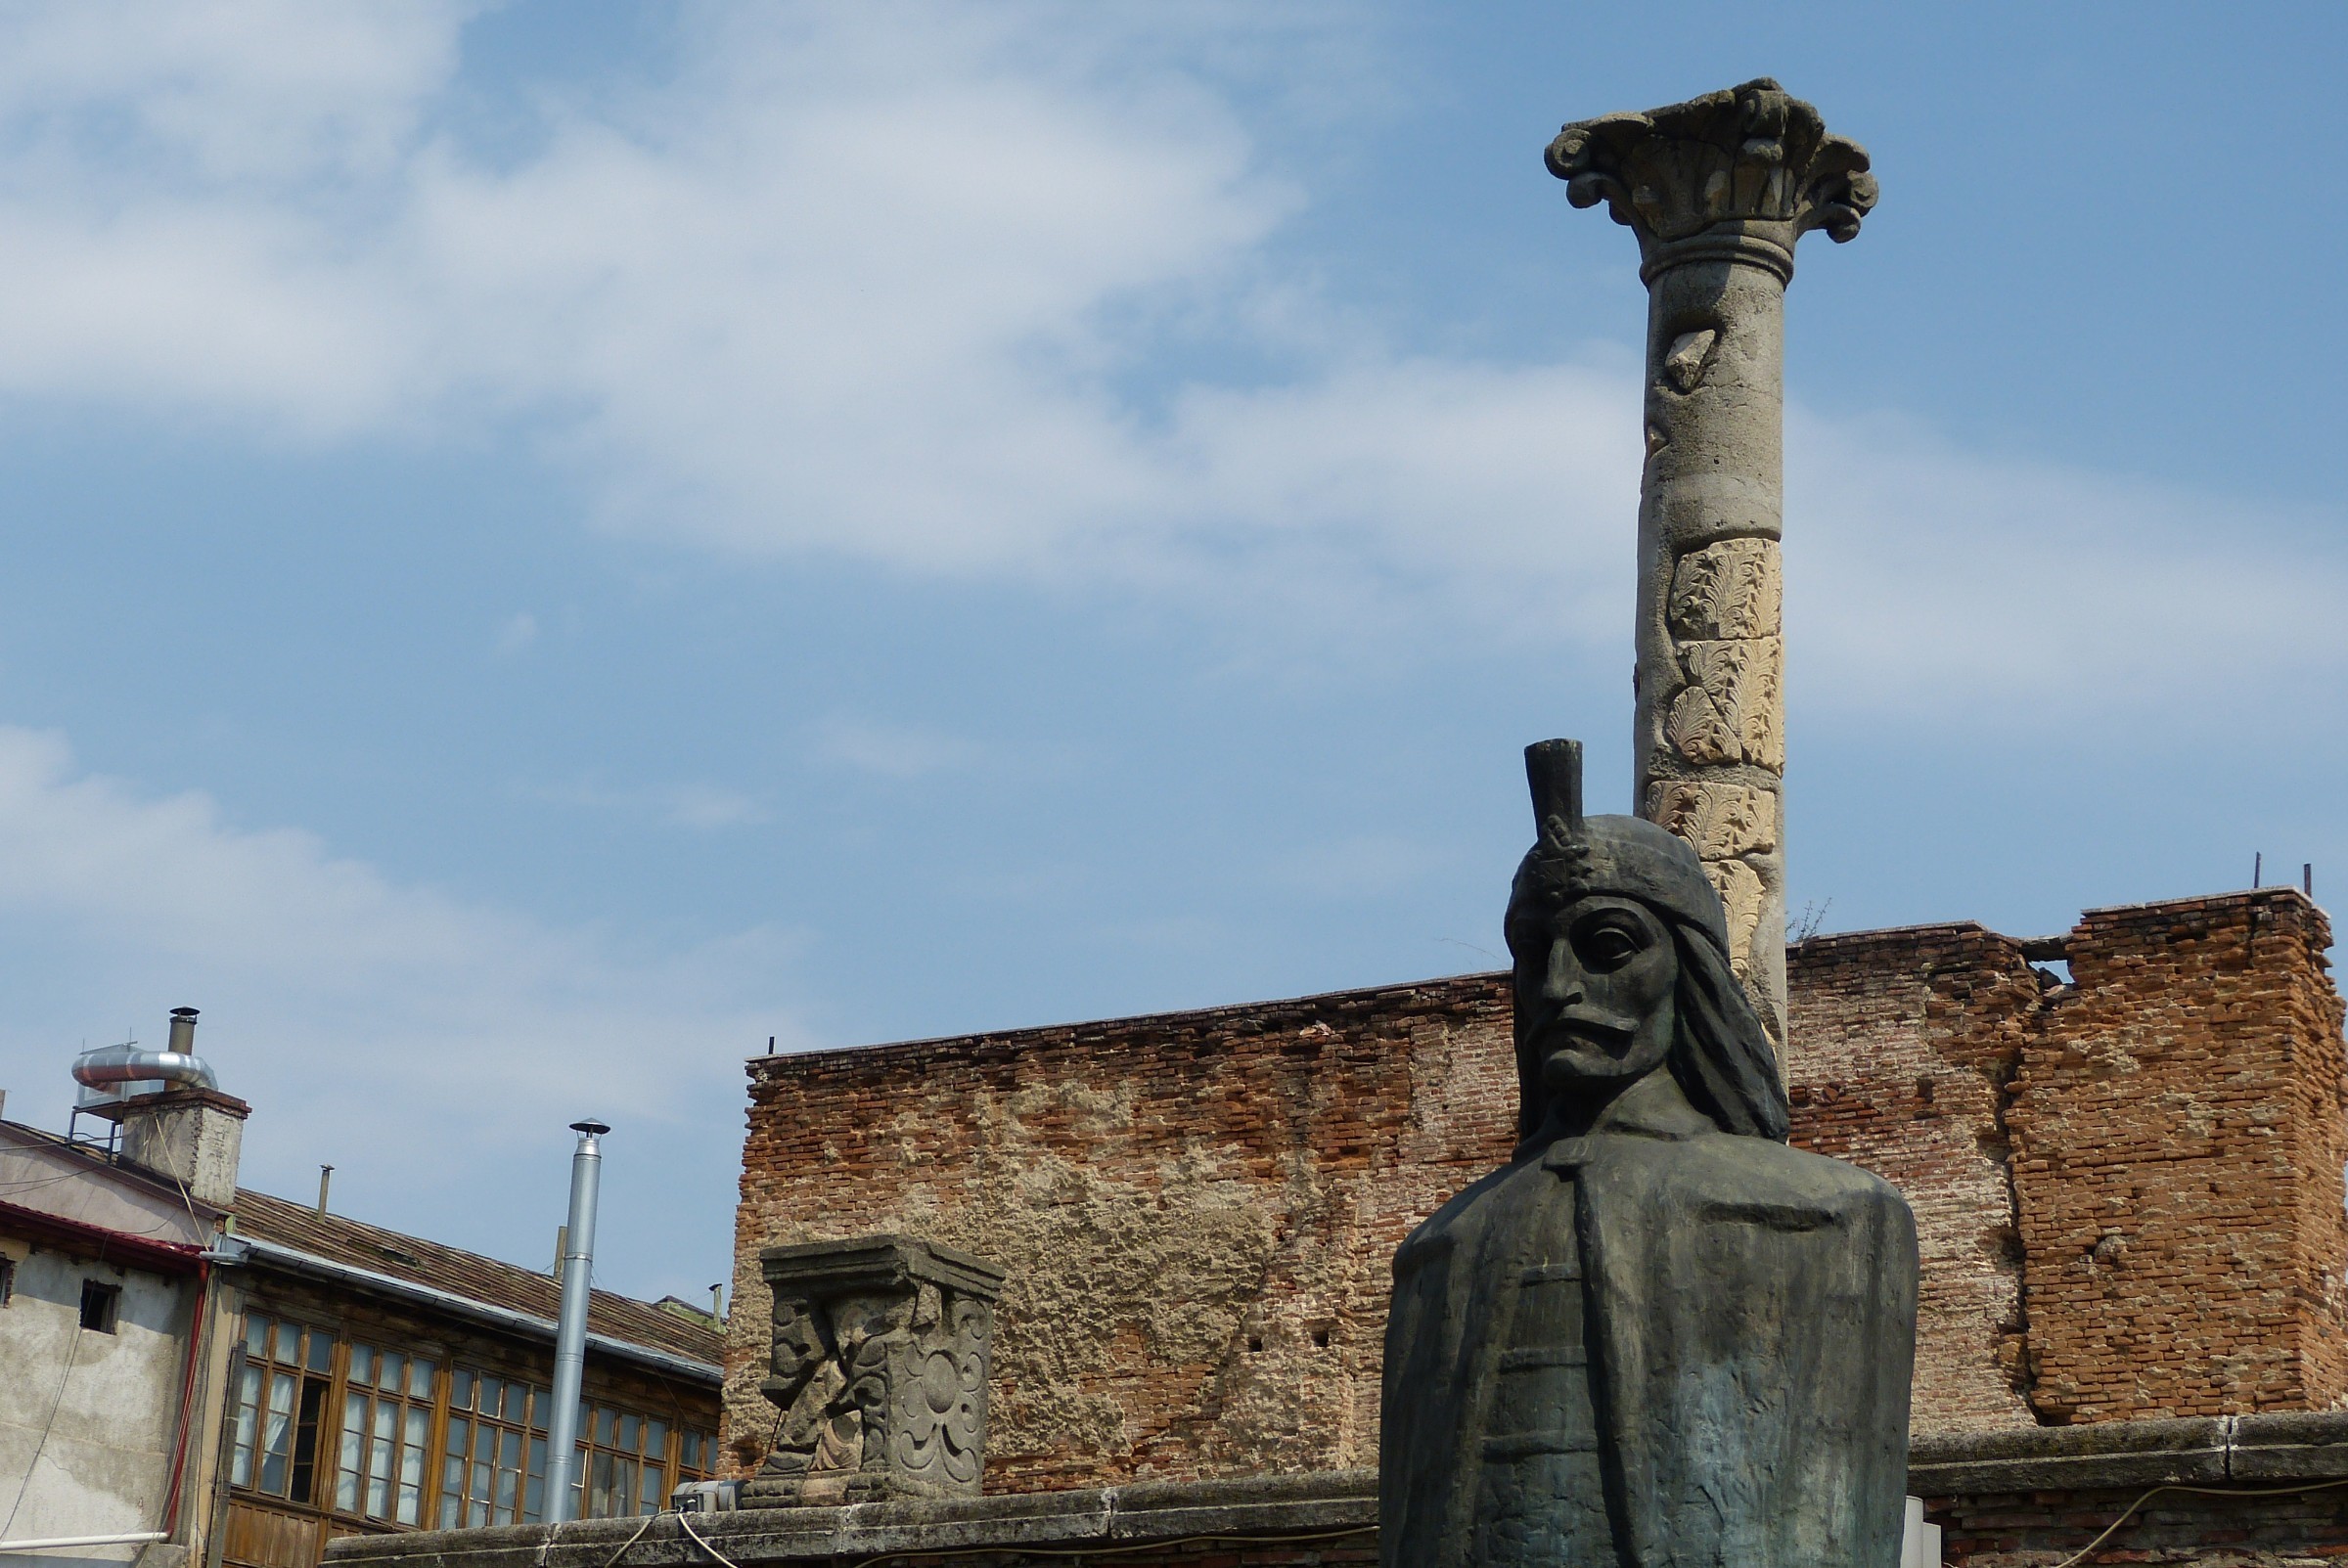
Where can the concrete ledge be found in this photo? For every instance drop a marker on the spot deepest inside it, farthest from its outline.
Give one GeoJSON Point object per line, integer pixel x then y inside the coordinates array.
{"type": "Point", "coordinates": [2216, 1451]}
{"type": "Point", "coordinates": [2054, 1458]}
{"type": "Point", "coordinates": [2300, 1446]}
{"type": "Point", "coordinates": [1278, 1506]}
{"type": "Point", "coordinates": [2226, 1451]}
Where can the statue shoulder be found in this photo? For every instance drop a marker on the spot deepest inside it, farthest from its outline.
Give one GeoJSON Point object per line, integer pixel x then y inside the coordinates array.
{"type": "Point", "coordinates": [1441, 1232]}
{"type": "Point", "coordinates": [1736, 1170]}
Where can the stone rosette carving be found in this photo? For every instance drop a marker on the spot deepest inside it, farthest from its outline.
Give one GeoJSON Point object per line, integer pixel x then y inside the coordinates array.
{"type": "Point", "coordinates": [878, 1371]}
{"type": "Point", "coordinates": [1753, 156]}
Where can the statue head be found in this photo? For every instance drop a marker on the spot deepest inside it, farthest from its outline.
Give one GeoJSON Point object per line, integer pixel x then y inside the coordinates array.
{"type": "Point", "coordinates": [1621, 952]}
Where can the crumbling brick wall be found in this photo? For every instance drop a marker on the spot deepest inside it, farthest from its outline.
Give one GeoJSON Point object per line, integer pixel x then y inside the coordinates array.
{"type": "Point", "coordinates": [1198, 1210]}
{"type": "Point", "coordinates": [2178, 1144]}
{"type": "Point", "coordinates": [1904, 1043]}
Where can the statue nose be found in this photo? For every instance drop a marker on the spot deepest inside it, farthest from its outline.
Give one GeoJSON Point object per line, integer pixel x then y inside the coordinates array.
{"type": "Point", "coordinates": [1564, 974]}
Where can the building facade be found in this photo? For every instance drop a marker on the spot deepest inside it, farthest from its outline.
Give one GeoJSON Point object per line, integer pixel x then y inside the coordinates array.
{"type": "Point", "coordinates": [193, 1373]}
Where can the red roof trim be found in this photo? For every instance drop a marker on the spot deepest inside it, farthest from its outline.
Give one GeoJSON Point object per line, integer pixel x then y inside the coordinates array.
{"type": "Point", "coordinates": [107, 1246]}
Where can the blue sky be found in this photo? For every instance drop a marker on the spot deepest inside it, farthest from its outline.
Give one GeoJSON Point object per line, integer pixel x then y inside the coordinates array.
{"type": "Point", "coordinates": [549, 544]}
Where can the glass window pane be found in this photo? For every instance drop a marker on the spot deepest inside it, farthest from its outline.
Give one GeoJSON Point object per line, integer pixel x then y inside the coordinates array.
{"type": "Point", "coordinates": [362, 1364]}
{"type": "Point", "coordinates": [411, 1464]}
{"type": "Point", "coordinates": [322, 1353]}
{"type": "Point", "coordinates": [486, 1393]}
{"type": "Point", "coordinates": [392, 1372]}
{"type": "Point", "coordinates": [460, 1390]}
{"type": "Point", "coordinates": [542, 1409]}
{"type": "Point", "coordinates": [277, 1434]}
{"type": "Point", "coordinates": [631, 1431]}
{"type": "Point", "coordinates": [419, 1378]}
{"type": "Point", "coordinates": [533, 1491]}
{"type": "Point", "coordinates": [452, 1491]}
{"type": "Point", "coordinates": [599, 1486]}
{"type": "Point", "coordinates": [348, 1454]}
{"type": "Point", "coordinates": [248, 1399]}
{"type": "Point", "coordinates": [517, 1396]}
{"type": "Point", "coordinates": [256, 1337]}
{"type": "Point", "coordinates": [477, 1496]}
{"type": "Point", "coordinates": [648, 1501]}
{"type": "Point", "coordinates": [602, 1427]}
{"type": "Point", "coordinates": [656, 1439]}
{"type": "Point", "coordinates": [379, 1460]}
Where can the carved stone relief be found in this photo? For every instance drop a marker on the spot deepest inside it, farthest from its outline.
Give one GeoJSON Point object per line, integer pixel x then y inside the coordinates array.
{"type": "Point", "coordinates": [1723, 820]}
{"type": "Point", "coordinates": [1729, 590]}
{"type": "Point", "coordinates": [878, 1371]}
{"type": "Point", "coordinates": [1739, 888]}
{"type": "Point", "coordinates": [1730, 709]}
{"type": "Point", "coordinates": [1691, 354]}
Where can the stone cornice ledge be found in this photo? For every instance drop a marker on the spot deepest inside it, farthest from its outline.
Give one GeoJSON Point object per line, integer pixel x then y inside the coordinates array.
{"type": "Point", "coordinates": [2210, 1451]}
{"type": "Point", "coordinates": [1288, 1506]}
{"type": "Point", "coordinates": [2221, 1451]}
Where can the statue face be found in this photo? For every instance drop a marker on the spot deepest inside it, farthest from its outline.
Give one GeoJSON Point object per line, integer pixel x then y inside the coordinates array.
{"type": "Point", "coordinates": [1594, 980]}
{"type": "Point", "coordinates": [798, 1344]}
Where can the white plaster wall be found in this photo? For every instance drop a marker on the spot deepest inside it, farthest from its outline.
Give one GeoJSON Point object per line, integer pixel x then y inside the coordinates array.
{"type": "Point", "coordinates": [105, 1464]}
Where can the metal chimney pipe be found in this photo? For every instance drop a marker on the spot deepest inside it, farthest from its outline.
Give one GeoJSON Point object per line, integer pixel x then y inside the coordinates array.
{"type": "Point", "coordinates": [570, 1332]}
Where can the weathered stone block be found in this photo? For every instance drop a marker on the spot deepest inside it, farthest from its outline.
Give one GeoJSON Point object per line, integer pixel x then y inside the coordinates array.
{"type": "Point", "coordinates": [879, 1365]}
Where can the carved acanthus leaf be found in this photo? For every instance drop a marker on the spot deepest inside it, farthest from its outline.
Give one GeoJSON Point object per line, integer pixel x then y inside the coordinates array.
{"type": "Point", "coordinates": [1750, 153]}
{"type": "Point", "coordinates": [1721, 820]}
{"type": "Point", "coordinates": [1739, 888]}
{"type": "Point", "coordinates": [1730, 589]}
{"type": "Point", "coordinates": [1728, 710]}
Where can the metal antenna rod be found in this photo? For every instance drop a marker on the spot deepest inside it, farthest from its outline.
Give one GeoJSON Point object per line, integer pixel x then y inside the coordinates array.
{"type": "Point", "coordinates": [571, 1333]}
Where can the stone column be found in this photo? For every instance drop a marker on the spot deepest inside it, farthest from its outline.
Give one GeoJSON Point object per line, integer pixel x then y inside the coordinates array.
{"type": "Point", "coordinates": [1717, 190]}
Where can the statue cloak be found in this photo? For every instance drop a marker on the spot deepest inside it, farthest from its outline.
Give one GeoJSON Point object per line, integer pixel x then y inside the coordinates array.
{"type": "Point", "coordinates": [1748, 1310]}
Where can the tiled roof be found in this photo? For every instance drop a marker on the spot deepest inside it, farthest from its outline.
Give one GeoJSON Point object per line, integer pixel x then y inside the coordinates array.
{"type": "Point", "coordinates": [411, 1258]}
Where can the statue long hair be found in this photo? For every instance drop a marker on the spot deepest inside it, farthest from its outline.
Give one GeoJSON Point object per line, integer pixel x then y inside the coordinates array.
{"type": "Point", "coordinates": [1718, 1052]}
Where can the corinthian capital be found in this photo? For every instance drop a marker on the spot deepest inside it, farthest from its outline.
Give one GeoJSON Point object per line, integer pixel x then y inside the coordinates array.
{"type": "Point", "coordinates": [1749, 163]}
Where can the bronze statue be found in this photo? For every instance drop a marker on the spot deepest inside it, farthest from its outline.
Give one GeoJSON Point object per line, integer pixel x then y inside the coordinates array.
{"type": "Point", "coordinates": [1658, 1337]}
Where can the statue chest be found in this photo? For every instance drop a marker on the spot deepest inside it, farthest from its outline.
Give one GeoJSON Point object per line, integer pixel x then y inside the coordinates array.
{"type": "Point", "coordinates": [1540, 1496]}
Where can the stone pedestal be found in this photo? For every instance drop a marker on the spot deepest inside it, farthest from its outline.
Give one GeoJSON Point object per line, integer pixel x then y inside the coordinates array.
{"type": "Point", "coordinates": [1717, 190]}
{"type": "Point", "coordinates": [879, 1371]}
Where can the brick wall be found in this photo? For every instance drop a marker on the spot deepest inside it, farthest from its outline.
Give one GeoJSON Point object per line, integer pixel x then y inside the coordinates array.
{"type": "Point", "coordinates": [2178, 1143]}
{"type": "Point", "coordinates": [1197, 1209]}
{"type": "Point", "coordinates": [1198, 1212]}
{"type": "Point", "coordinates": [1904, 1046]}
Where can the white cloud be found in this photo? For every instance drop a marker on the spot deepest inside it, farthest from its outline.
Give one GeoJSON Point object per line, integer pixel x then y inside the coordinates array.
{"type": "Point", "coordinates": [409, 1021]}
{"type": "Point", "coordinates": [891, 750]}
{"type": "Point", "coordinates": [519, 632]}
{"type": "Point", "coordinates": [875, 282]}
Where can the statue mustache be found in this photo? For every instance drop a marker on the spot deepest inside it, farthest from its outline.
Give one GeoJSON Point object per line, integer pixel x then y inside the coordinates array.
{"type": "Point", "coordinates": [1606, 1028]}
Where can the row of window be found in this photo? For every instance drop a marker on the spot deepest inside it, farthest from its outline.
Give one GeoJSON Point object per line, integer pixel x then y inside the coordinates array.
{"type": "Point", "coordinates": [403, 1422]}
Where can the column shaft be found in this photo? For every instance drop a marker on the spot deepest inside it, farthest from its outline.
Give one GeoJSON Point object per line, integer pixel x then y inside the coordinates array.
{"type": "Point", "coordinates": [1710, 739]}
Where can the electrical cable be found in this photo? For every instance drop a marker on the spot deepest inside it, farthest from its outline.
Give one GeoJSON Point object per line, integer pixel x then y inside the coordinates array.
{"type": "Point", "coordinates": [1124, 1551]}
{"type": "Point", "coordinates": [47, 1428]}
{"type": "Point", "coordinates": [609, 1561]}
{"type": "Point", "coordinates": [686, 1520]}
{"type": "Point", "coordinates": [2081, 1556]}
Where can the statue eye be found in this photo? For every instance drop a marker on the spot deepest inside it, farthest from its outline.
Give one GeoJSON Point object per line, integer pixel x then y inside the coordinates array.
{"type": "Point", "coordinates": [1609, 944]}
